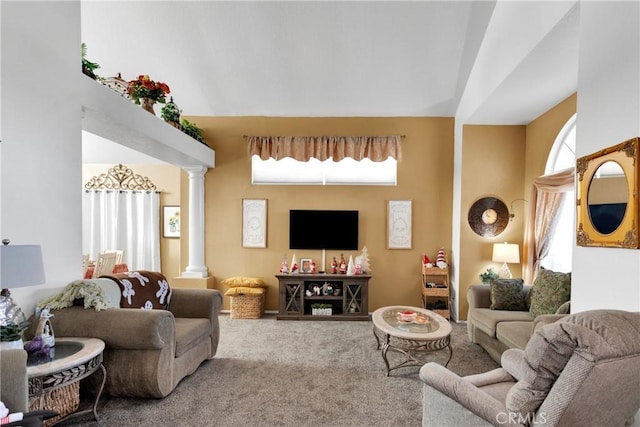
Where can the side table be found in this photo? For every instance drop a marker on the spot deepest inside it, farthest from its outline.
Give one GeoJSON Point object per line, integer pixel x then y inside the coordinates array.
{"type": "Point", "coordinates": [73, 359]}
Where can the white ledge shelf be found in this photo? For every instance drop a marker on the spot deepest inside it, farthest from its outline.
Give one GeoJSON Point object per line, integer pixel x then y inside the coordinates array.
{"type": "Point", "coordinates": [112, 116]}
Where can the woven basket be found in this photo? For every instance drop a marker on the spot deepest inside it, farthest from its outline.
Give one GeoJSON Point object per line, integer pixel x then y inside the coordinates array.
{"type": "Point", "coordinates": [247, 306]}
{"type": "Point", "coordinates": [64, 400]}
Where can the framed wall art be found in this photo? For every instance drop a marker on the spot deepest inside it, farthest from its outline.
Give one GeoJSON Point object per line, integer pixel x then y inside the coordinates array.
{"type": "Point", "coordinates": [399, 224]}
{"type": "Point", "coordinates": [254, 223]}
{"type": "Point", "coordinates": [171, 221]}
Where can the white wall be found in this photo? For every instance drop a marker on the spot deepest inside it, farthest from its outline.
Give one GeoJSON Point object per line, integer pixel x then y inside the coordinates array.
{"type": "Point", "coordinates": [40, 166]}
{"type": "Point", "coordinates": [608, 113]}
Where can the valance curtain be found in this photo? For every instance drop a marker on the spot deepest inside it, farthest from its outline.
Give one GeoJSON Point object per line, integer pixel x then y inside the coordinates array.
{"type": "Point", "coordinates": [123, 219]}
{"type": "Point", "coordinates": [547, 194]}
{"type": "Point", "coordinates": [302, 148]}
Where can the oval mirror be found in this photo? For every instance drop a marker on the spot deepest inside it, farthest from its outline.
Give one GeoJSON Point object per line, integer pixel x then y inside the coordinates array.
{"type": "Point", "coordinates": [607, 198]}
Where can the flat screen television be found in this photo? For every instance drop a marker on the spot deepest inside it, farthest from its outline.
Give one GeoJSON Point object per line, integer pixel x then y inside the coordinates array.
{"type": "Point", "coordinates": [323, 229]}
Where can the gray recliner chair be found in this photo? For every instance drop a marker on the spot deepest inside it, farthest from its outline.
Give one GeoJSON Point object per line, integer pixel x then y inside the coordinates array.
{"type": "Point", "coordinates": [583, 370]}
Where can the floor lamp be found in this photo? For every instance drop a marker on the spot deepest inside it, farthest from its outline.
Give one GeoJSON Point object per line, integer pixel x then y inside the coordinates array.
{"type": "Point", "coordinates": [506, 253]}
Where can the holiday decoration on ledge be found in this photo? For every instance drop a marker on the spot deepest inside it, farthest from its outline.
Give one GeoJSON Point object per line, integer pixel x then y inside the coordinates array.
{"type": "Point", "coordinates": [117, 84]}
{"type": "Point", "coordinates": [284, 268]}
{"type": "Point", "coordinates": [312, 267]}
{"type": "Point", "coordinates": [145, 91]}
{"type": "Point", "coordinates": [88, 67]}
{"type": "Point", "coordinates": [170, 113]}
{"type": "Point", "coordinates": [294, 265]}
{"type": "Point", "coordinates": [441, 260]}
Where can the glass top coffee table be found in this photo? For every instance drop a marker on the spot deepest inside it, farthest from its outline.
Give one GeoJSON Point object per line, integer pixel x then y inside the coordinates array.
{"type": "Point", "coordinates": [410, 332]}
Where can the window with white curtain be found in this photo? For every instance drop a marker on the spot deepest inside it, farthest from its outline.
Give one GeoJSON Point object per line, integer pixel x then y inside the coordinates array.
{"type": "Point", "coordinates": [126, 220]}
{"type": "Point", "coordinates": [563, 156]}
{"type": "Point", "coordinates": [315, 172]}
{"type": "Point", "coordinates": [325, 160]}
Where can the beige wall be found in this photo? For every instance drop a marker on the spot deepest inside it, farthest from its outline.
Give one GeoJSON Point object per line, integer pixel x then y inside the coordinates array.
{"type": "Point", "coordinates": [497, 161]}
{"type": "Point", "coordinates": [167, 181]}
{"type": "Point", "coordinates": [424, 176]}
{"type": "Point", "coordinates": [492, 165]}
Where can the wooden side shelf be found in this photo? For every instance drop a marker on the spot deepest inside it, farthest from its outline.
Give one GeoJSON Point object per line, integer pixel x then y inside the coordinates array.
{"type": "Point", "coordinates": [435, 290]}
{"type": "Point", "coordinates": [350, 303]}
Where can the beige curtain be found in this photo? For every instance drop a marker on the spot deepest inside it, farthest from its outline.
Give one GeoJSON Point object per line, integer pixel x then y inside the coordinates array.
{"type": "Point", "coordinates": [547, 194]}
{"type": "Point", "coordinates": [302, 148]}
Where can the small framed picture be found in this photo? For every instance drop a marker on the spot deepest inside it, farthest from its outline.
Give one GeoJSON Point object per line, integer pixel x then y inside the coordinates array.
{"type": "Point", "coordinates": [305, 265]}
{"type": "Point", "coordinates": [399, 224]}
{"type": "Point", "coordinates": [171, 221]}
{"type": "Point", "coordinates": [254, 223]}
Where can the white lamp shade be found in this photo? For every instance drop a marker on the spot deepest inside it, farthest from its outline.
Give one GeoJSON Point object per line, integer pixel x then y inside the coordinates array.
{"type": "Point", "coordinates": [20, 266]}
{"type": "Point", "coordinates": [506, 252]}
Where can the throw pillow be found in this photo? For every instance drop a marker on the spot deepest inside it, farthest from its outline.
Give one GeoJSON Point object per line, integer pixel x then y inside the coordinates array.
{"type": "Point", "coordinates": [507, 294]}
{"type": "Point", "coordinates": [142, 289]}
{"type": "Point", "coordinates": [240, 290]}
{"type": "Point", "coordinates": [550, 290]}
{"type": "Point", "coordinates": [247, 282]}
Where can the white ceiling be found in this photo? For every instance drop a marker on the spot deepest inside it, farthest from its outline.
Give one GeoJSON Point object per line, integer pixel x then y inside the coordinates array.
{"type": "Point", "coordinates": [384, 58]}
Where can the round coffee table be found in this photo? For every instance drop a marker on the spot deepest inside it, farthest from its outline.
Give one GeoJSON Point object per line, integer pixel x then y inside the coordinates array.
{"type": "Point", "coordinates": [410, 331]}
{"type": "Point", "coordinates": [73, 359]}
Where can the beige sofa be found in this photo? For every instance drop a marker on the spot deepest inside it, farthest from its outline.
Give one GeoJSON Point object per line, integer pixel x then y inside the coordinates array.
{"type": "Point", "coordinates": [148, 352]}
{"type": "Point", "coordinates": [499, 330]}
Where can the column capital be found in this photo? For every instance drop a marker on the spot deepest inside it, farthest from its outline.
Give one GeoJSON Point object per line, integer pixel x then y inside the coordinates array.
{"type": "Point", "coordinates": [195, 171]}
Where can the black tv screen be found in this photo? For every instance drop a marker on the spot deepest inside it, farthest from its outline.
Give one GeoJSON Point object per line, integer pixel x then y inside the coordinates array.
{"type": "Point", "coordinates": [323, 229]}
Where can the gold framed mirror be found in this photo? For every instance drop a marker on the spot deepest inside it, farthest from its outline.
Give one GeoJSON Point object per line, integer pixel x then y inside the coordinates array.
{"type": "Point", "coordinates": [607, 197]}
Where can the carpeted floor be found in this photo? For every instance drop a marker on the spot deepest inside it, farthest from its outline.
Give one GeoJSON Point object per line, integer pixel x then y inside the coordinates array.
{"type": "Point", "coordinates": [292, 373]}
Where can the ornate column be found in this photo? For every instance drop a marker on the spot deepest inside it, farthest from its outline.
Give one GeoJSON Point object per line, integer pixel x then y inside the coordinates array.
{"type": "Point", "coordinates": [196, 267]}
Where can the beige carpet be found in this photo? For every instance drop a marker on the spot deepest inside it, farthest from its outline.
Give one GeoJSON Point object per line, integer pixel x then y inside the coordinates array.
{"type": "Point", "coordinates": [292, 373]}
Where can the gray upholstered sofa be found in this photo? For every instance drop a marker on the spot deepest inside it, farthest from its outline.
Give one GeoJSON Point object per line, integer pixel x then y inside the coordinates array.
{"type": "Point", "coordinates": [148, 352]}
{"type": "Point", "coordinates": [582, 370]}
{"type": "Point", "coordinates": [499, 330]}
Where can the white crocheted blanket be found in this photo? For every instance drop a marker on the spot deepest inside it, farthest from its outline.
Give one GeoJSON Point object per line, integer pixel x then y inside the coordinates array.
{"type": "Point", "coordinates": [90, 292]}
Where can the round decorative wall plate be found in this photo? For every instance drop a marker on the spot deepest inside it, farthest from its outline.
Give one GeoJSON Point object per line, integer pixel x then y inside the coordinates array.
{"type": "Point", "coordinates": [488, 216]}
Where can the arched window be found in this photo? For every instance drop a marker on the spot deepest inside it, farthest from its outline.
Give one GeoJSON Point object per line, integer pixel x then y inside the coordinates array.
{"type": "Point", "coordinates": [563, 156]}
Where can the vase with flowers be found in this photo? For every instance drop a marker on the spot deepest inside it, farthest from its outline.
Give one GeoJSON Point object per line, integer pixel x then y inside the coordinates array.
{"type": "Point", "coordinates": [144, 91]}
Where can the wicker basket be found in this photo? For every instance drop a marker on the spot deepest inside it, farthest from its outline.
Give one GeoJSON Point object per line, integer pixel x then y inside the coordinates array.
{"type": "Point", "coordinates": [247, 306]}
{"type": "Point", "coordinates": [64, 400]}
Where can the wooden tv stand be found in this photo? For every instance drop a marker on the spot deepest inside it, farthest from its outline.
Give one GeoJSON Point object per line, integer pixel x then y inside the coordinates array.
{"type": "Point", "coordinates": [351, 303]}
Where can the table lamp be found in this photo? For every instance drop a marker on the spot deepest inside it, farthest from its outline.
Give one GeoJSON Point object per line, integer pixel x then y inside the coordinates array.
{"type": "Point", "coordinates": [506, 253]}
{"type": "Point", "coordinates": [20, 266]}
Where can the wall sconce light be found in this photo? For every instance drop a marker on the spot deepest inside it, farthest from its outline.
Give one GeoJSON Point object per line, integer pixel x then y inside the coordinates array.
{"type": "Point", "coordinates": [511, 213]}
{"type": "Point", "coordinates": [506, 253]}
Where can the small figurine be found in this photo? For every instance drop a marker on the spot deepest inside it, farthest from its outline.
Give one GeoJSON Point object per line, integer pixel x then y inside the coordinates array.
{"type": "Point", "coordinates": [334, 266]}
{"type": "Point", "coordinates": [342, 268]}
{"type": "Point", "coordinates": [284, 268]}
{"type": "Point", "coordinates": [441, 260]}
{"type": "Point", "coordinates": [45, 330]}
{"type": "Point", "coordinates": [312, 267]}
{"type": "Point", "coordinates": [294, 265]}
